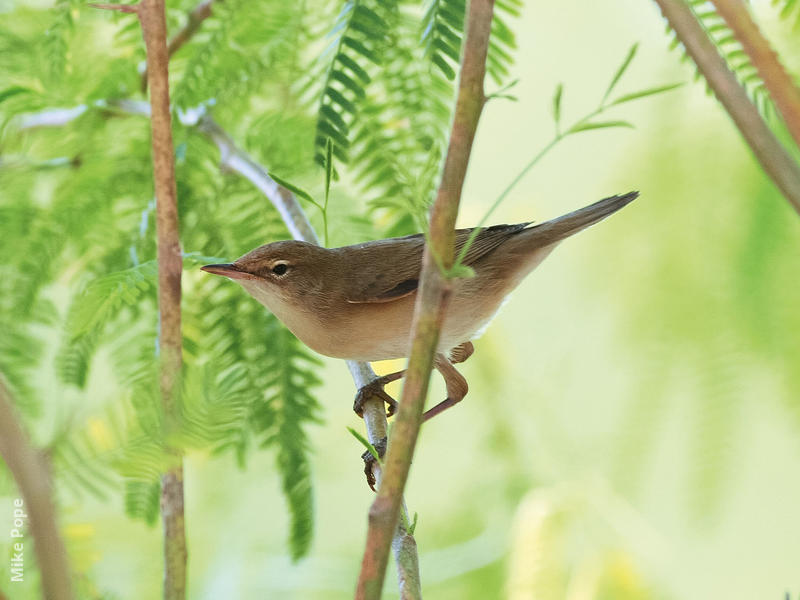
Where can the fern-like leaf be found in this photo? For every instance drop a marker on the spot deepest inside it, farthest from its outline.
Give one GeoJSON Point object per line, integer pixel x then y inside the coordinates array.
{"type": "Point", "coordinates": [359, 39]}
{"type": "Point", "coordinates": [142, 499]}
{"type": "Point", "coordinates": [291, 379]}
{"type": "Point", "coordinates": [443, 32]}
{"type": "Point", "coordinates": [731, 50]}
{"type": "Point", "coordinates": [790, 10]}
{"type": "Point", "coordinates": [103, 298]}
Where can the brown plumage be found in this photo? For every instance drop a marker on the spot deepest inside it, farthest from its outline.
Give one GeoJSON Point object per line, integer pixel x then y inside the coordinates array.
{"type": "Point", "coordinates": [356, 302]}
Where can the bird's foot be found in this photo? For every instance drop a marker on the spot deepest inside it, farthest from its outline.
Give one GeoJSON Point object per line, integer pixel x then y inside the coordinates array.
{"type": "Point", "coordinates": [375, 389]}
{"type": "Point", "coordinates": [370, 460]}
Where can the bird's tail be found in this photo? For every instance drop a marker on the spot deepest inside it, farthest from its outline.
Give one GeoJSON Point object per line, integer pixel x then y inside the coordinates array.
{"type": "Point", "coordinates": [555, 230]}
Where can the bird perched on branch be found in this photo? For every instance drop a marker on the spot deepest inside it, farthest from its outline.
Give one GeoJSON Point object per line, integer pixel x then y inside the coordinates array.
{"type": "Point", "coordinates": [357, 302]}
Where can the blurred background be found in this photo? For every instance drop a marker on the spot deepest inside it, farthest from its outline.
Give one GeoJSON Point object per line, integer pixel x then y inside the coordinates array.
{"type": "Point", "coordinates": [633, 419]}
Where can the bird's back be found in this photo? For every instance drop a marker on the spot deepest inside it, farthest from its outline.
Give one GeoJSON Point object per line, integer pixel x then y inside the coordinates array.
{"type": "Point", "coordinates": [381, 279]}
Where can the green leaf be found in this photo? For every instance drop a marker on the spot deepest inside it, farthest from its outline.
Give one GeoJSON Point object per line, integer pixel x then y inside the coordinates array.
{"type": "Point", "coordinates": [365, 442]}
{"type": "Point", "coordinates": [297, 191]}
{"type": "Point", "coordinates": [644, 93]}
{"type": "Point", "coordinates": [328, 168]}
{"type": "Point", "coordinates": [460, 271]}
{"type": "Point", "coordinates": [104, 296]}
{"type": "Point", "coordinates": [354, 67]}
{"type": "Point", "coordinates": [598, 125]}
{"type": "Point", "coordinates": [557, 103]}
{"type": "Point", "coordinates": [621, 71]}
{"type": "Point", "coordinates": [142, 499]}
{"type": "Point", "coordinates": [349, 83]}
{"type": "Point", "coordinates": [193, 259]}
{"type": "Point", "coordinates": [13, 91]}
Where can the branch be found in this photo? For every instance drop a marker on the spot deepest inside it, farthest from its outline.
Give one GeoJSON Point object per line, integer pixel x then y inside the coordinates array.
{"type": "Point", "coordinates": [431, 300]}
{"type": "Point", "coordinates": [154, 29]}
{"type": "Point", "coordinates": [781, 87]}
{"type": "Point", "coordinates": [193, 21]}
{"type": "Point", "coordinates": [773, 157]}
{"type": "Point", "coordinates": [31, 472]}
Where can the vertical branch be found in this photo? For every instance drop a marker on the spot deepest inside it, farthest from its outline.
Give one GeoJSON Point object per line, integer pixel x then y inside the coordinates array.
{"type": "Point", "coordinates": [781, 87]}
{"type": "Point", "coordinates": [194, 20]}
{"type": "Point", "coordinates": [31, 472]}
{"type": "Point", "coordinates": [431, 300]}
{"type": "Point", "coordinates": [773, 157]}
{"type": "Point", "coordinates": [170, 264]}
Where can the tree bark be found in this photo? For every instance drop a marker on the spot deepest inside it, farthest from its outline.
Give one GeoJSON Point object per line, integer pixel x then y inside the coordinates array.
{"type": "Point", "coordinates": [152, 18]}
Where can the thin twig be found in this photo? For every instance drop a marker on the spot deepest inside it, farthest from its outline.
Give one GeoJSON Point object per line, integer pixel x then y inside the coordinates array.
{"type": "Point", "coordinates": [31, 472]}
{"type": "Point", "coordinates": [154, 29]}
{"type": "Point", "coordinates": [431, 301]}
{"type": "Point", "coordinates": [774, 158]}
{"type": "Point", "coordinates": [781, 87]}
{"type": "Point", "coordinates": [123, 8]}
{"type": "Point", "coordinates": [194, 19]}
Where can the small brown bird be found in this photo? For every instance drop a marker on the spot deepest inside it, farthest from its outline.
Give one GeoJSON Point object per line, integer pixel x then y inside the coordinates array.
{"type": "Point", "coordinates": [357, 302]}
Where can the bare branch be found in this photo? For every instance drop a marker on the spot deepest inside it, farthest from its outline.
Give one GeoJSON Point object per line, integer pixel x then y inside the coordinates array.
{"type": "Point", "coordinates": [774, 158]}
{"type": "Point", "coordinates": [170, 266]}
{"type": "Point", "coordinates": [123, 8]}
{"type": "Point", "coordinates": [431, 301]}
{"type": "Point", "coordinates": [193, 21]}
{"type": "Point", "coordinates": [31, 472]}
{"type": "Point", "coordinates": [781, 87]}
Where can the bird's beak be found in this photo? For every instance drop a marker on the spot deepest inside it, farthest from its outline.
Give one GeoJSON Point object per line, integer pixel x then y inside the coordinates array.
{"type": "Point", "coordinates": [227, 270]}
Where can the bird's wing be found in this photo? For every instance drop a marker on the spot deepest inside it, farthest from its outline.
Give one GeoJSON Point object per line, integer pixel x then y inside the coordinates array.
{"type": "Point", "coordinates": [486, 241]}
{"type": "Point", "coordinates": [405, 257]}
{"type": "Point", "coordinates": [402, 258]}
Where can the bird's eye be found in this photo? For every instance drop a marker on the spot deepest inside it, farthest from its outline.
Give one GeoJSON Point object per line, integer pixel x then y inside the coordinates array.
{"type": "Point", "coordinates": [280, 269]}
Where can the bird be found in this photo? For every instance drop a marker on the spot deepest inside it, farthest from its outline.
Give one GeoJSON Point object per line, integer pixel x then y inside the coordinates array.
{"type": "Point", "coordinates": [357, 302]}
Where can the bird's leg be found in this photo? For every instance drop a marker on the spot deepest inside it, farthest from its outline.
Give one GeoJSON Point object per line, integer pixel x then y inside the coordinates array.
{"type": "Point", "coordinates": [456, 385]}
{"type": "Point", "coordinates": [380, 447]}
{"type": "Point", "coordinates": [456, 390]}
{"type": "Point", "coordinates": [375, 388]}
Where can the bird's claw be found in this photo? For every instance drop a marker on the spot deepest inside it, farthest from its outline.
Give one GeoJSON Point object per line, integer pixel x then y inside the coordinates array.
{"type": "Point", "coordinates": [375, 389]}
{"type": "Point", "coordinates": [369, 461]}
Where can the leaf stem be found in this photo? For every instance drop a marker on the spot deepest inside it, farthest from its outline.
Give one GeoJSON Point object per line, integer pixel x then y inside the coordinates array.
{"type": "Point", "coordinates": [560, 135]}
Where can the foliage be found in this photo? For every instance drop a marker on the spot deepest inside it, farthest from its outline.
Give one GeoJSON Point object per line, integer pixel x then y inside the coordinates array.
{"type": "Point", "coordinates": [359, 38]}
{"type": "Point", "coordinates": [386, 95]}
{"type": "Point", "coordinates": [83, 239]}
{"type": "Point", "coordinates": [731, 50]}
{"type": "Point", "coordinates": [443, 31]}
{"type": "Point", "coordinates": [588, 122]}
{"type": "Point", "coordinates": [789, 9]}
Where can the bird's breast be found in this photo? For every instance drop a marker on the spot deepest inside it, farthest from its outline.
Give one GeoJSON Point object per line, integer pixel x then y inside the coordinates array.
{"type": "Point", "coordinates": [373, 331]}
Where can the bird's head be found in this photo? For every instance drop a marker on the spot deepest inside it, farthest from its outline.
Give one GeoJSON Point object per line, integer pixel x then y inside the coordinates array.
{"type": "Point", "coordinates": [286, 271]}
